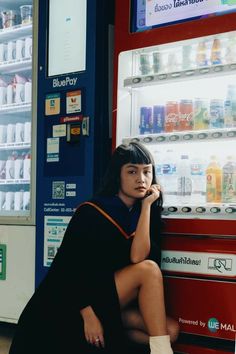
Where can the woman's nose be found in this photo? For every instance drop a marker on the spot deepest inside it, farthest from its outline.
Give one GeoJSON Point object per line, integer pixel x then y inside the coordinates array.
{"type": "Point", "coordinates": [140, 178]}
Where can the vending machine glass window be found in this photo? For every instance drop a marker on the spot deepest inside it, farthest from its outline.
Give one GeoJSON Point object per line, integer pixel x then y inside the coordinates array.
{"type": "Point", "coordinates": [15, 108]}
{"type": "Point", "coordinates": [180, 100]}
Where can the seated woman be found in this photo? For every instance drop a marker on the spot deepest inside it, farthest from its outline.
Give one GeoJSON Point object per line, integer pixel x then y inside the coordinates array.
{"type": "Point", "coordinates": [105, 280]}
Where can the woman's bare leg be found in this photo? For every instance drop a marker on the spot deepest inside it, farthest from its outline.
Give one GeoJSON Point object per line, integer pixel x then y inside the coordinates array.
{"type": "Point", "coordinates": [136, 330]}
{"type": "Point", "coordinates": [144, 280]}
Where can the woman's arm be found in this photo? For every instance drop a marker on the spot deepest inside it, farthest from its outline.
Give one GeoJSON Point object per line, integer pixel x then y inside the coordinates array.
{"type": "Point", "coordinates": [140, 248]}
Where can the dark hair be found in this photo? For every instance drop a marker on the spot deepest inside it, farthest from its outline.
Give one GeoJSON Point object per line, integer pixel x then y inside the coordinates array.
{"type": "Point", "coordinates": [135, 153]}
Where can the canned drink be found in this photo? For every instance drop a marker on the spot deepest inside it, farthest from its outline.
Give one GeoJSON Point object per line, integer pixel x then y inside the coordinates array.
{"type": "Point", "coordinates": [145, 120]}
{"type": "Point", "coordinates": [216, 113]}
{"type": "Point", "coordinates": [185, 121]}
{"type": "Point", "coordinates": [201, 114]}
{"type": "Point", "coordinates": [158, 119]}
{"type": "Point", "coordinates": [171, 116]}
{"type": "Point", "coordinates": [230, 113]}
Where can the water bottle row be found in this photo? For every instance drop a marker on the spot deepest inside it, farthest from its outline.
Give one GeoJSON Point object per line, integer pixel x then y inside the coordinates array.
{"type": "Point", "coordinates": [191, 56]}
{"type": "Point", "coordinates": [18, 90]}
{"type": "Point", "coordinates": [15, 167]}
{"type": "Point", "coordinates": [196, 182]}
{"type": "Point", "coordinates": [19, 200]}
{"type": "Point", "coordinates": [15, 133]}
{"type": "Point", "coordinates": [16, 50]}
{"type": "Point", "coordinates": [197, 114]}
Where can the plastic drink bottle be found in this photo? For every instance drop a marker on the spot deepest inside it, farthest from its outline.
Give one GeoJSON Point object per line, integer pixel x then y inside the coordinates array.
{"type": "Point", "coordinates": [201, 55]}
{"type": "Point", "coordinates": [198, 177]}
{"type": "Point", "coordinates": [169, 178]}
{"type": "Point", "coordinates": [213, 181]}
{"type": "Point", "coordinates": [229, 181]}
{"type": "Point", "coordinates": [184, 181]}
{"type": "Point", "coordinates": [216, 57]}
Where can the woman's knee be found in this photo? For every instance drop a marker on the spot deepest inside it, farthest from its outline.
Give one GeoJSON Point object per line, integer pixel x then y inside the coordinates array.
{"type": "Point", "coordinates": [149, 268]}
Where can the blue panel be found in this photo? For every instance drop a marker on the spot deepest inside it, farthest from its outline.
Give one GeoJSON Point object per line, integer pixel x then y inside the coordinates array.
{"type": "Point", "coordinates": [67, 174]}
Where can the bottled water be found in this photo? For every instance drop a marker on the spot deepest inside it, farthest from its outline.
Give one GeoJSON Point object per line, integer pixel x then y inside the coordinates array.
{"type": "Point", "coordinates": [184, 181]}
{"type": "Point", "coordinates": [198, 177]}
{"type": "Point", "coordinates": [169, 178]}
{"type": "Point", "coordinates": [229, 181]}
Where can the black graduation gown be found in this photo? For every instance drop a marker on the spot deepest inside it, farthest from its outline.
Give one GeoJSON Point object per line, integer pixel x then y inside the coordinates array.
{"type": "Point", "coordinates": [82, 274]}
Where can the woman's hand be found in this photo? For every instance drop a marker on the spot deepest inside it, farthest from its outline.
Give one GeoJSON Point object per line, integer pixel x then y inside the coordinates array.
{"type": "Point", "coordinates": [152, 194]}
{"type": "Point", "coordinates": [93, 329]}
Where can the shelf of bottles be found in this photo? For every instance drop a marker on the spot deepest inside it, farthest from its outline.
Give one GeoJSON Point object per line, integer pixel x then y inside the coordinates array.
{"type": "Point", "coordinates": [183, 107]}
{"type": "Point", "coordinates": [15, 110]}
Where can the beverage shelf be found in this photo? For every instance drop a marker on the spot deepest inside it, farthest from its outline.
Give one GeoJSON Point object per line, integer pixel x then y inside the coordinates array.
{"type": "Point", "coordinates": [160, 78]}
{"type": "Point", "coordinates": [15, 108]}
{"type": "Point", "coordinates": [15, 146]}
{"type": "Point", "coordinates": [14, 66]}
{"type": "Point", "coordinates": [190, 135]}
{"type": "Point", "coordinates": [14, 181]}
{"type": "Point", "coordinates": [12, 33]}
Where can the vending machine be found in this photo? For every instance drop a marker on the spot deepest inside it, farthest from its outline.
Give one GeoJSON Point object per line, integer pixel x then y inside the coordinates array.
{"type": "Point", "coordinates": [175, 91]}
{"type": "Point", "coordinates": [59, 53]}
{"type": "Point", "coordinates": [17, 149]}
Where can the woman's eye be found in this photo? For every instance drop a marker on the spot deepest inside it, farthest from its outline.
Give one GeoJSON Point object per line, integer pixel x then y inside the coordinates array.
{"type": "Point", "coordinates": [147, 172]}
{"type": "Point", "coordinates": [131, 172]}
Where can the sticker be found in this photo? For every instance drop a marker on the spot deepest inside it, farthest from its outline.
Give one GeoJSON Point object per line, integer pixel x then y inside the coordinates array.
{"type": "Point", "coordinates": [59, 130]}
{"type": "Point", "coordinates": [71, 119]}
{"type": "Point", "coordinates": [71, 193]}
{"type": "Point", "coordinates": [52, 149]}
{"type": "Point", "coordinates": [73, 102]}
{"type": "Point", "coordinates": [54, 230]}
{"type": "Point", "coordinates": [199, 263]}
{"type": "Point", "coordinates": [52, 104]}
{"type": "Point", "coordinates": [58, 190]}
{"type": "Point", "coordinates": [3, 262]}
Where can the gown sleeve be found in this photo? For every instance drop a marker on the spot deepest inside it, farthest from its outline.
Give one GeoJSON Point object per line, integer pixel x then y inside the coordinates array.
{"type": "Point", "coordinates": [156, 227]}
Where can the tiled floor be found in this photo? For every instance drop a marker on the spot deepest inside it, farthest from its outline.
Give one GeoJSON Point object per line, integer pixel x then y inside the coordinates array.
{"type": "Point", "coordinates": [6, 334]}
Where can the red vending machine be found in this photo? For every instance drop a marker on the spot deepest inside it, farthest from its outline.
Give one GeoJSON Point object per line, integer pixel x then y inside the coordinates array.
{"type": "Point", "coordinates": [175, 91]}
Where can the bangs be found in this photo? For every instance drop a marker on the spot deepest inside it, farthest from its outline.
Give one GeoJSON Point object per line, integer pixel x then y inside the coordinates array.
{"type": "Point", "coordinates": [137, 154]}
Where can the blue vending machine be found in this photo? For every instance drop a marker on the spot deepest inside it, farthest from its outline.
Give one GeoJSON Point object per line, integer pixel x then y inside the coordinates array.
{"type": "Point", "coordinates": [73, 129]}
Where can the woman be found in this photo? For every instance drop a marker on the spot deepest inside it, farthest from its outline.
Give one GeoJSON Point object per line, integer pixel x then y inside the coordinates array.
{"type": "Point", "coordinates": [105, 276]}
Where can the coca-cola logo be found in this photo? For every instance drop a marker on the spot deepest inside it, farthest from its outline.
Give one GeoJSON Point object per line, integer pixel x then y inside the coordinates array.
{"type": "Point", "coordinates": [186, 116]}
{"type": "Point", "coordinates": [172, 117]}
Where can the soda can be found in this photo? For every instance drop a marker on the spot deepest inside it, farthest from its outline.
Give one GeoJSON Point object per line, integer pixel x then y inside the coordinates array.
{"type": "Point", "coordinates": [216, 113]}
{"type": "Point", "coordinates": [201, 114]}
{"type": "Point", "coordinates": [171, 116]}
{"type": "Point", "coordinates": [158, 123]}
{"type": "Point", "coordinates": [185, 121]}
{"type": "Point", "coordinates": [145, 120]}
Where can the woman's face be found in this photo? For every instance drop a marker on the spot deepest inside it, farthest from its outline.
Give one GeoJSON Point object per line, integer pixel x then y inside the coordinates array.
{"type": "Point", "coordinates": [135, 181]}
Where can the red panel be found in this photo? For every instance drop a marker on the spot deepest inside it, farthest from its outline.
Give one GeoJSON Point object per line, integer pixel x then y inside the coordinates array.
{"type": "Point", "coordinates": [202, 307]}
{"type": "Point", "coordinates": [201, 227]}
{"type": "Point", "coordinates": [192, 349]}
